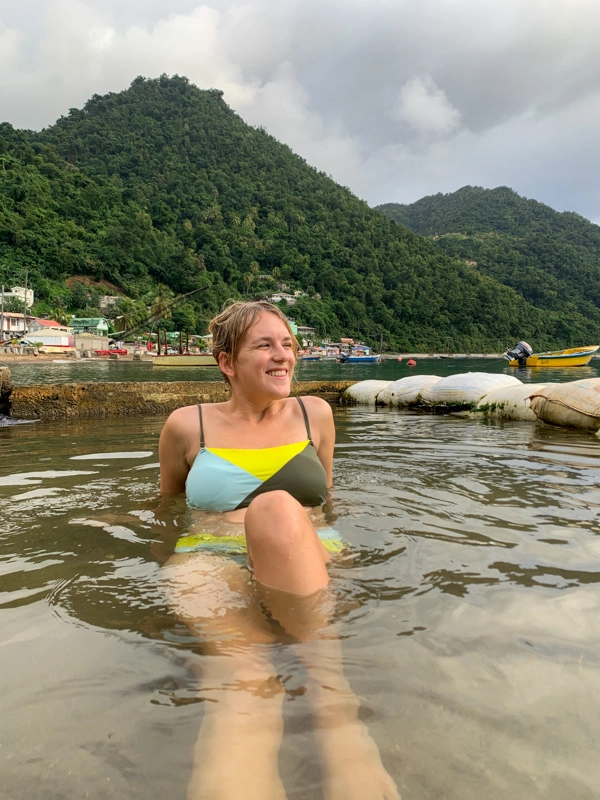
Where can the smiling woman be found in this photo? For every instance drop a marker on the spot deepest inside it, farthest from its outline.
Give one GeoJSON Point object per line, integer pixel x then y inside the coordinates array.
{"type": "Point", "coordinates": [257, 469]}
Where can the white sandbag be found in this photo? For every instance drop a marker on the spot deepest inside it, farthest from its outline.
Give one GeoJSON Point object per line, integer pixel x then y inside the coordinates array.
{"type": "Point", "coordinates": [364, 392]}
{"type": "Point", "coordinates": [575, 404]}
{"type": "Point", "coordinates": [509, 402]}
{"type": "Point", "coordinates": [405, 391]}
{"type": "Point", "coordinates": [465, 389]}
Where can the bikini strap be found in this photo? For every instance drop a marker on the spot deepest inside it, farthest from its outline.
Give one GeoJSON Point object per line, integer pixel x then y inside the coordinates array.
{"type": "Point", "coordinates": [201, 427]}
{"type": "Point", "coordinates": [305, 415]}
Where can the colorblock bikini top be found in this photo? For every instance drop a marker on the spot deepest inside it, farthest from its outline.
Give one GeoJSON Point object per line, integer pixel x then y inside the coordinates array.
{"type": "Point", "coordinates": [228, 478]}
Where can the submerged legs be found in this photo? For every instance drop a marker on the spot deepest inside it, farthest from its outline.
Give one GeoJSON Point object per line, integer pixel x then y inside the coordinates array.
{"type": "Point", "coordinates": [236, 753]}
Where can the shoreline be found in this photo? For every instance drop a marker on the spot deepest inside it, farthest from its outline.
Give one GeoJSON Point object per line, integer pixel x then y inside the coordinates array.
{"type": "Point", "coordinates": [6, 359]}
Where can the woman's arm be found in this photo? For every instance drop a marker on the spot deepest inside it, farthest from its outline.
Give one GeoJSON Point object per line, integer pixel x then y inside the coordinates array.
{"type": "Point", "coordinates": [322, 429]}
{"type": "Point", "coordinates": [173, 447]}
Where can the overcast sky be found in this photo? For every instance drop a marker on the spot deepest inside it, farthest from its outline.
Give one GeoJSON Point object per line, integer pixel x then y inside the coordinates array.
{"type": "Point", "coordinates": [396, 99]}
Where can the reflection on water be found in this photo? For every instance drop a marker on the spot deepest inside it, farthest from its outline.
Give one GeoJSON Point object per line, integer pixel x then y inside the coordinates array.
{"type": "Point", "coordinates": [469, 610]}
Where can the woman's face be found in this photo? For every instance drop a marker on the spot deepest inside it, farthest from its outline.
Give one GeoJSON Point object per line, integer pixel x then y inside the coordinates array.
{"type": "Point", "coordinates": [266, 358]}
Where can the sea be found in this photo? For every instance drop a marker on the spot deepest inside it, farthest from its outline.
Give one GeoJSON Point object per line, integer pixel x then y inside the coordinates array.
{"type": "Point", "coordinates": [467, 603]}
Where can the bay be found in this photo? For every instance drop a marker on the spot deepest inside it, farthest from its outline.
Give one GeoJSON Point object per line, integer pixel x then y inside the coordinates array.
{"type": "Point", "coordinates": [94, 370]}
{"type": "Point", "coordinates": [469, 610]}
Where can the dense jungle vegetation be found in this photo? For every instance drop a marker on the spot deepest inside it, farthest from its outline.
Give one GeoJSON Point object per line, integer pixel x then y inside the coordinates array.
{"type": "Point", "coordinates": [163, 189]}
{"type": "Point", "coordinates": [551, 259]}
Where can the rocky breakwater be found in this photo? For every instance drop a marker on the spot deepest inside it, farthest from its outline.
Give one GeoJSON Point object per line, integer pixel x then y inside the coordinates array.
{"type": "Point", "coordinates": [77, 400]}
{"type": "Point", "coordinates": [6, 388]}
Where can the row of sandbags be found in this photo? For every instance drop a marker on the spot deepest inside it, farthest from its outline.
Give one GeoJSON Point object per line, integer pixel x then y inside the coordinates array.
{"type": "Point", "coordinates": [574, 404]}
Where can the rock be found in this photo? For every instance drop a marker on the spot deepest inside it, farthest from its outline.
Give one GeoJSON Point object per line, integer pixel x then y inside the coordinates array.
{"type": "Point", "coordinates": [73, 400]}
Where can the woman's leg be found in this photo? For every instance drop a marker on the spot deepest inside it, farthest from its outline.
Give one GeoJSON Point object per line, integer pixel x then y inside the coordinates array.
{"type": "Point", "coordinates": [235, 755]}
{"type": "Point", "coordinates": [290, 562]}
{"type": "Point", "coordinates": [283, 547]}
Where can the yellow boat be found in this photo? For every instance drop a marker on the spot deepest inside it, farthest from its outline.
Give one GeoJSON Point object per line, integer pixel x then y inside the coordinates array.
{"type": "Point", "coordinates": [185, 360]}
{"type": "Point", "coordinates": [522, 356]}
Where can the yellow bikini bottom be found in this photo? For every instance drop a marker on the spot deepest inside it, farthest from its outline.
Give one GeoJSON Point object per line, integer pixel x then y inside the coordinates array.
{"type": "Point", "coordinates": [236, 545]}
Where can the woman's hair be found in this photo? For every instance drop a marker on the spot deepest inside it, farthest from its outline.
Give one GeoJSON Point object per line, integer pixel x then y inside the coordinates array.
{"type": "Point", "coordinates": [230, 326]}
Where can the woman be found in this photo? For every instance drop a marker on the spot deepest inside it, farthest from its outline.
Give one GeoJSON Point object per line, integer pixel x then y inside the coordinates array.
{"type": "Point", "coordinates": [259, 466]}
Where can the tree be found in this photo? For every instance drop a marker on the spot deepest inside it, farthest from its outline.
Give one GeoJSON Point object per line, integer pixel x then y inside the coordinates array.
{"type": "Point", "coordinates": [14, 304]}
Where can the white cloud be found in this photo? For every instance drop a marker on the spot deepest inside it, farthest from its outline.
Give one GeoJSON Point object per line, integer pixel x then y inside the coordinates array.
{"type": "Point", "coordinates": [394, 100]}
{"type": "Point", "coordinates": [425, 108]}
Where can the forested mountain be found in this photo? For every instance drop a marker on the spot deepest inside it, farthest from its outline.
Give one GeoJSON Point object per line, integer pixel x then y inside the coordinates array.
{"type": "Point", "coordinates": [552, 259]}
{"type": "Point", "coordinates": [164, 186]}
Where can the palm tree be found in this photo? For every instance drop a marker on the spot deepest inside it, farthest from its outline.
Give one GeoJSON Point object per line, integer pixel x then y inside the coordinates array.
{"type": "Point", "coordinates": [161, 306]}
{"type": "Point", "coordinates": [60, 315]}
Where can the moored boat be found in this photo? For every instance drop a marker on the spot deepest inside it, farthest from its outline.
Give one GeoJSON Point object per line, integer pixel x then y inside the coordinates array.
{"type": "Point", "coordinates": [522, 355]}
{"type": "Point", "coordinates": [346, 358]}
{"type": "Point", "coordinates": [185, 360]}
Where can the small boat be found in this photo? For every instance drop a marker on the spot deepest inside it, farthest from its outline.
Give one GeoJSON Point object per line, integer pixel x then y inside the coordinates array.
{"type": "Point", "coordinates": [310, 357]}
{"type": "Point", "coordinates": [350, 358]}
{"type": "Point", "coordinates": [522, 355]}
{"type": "Point", "coordinates": [112, 351]}
{"type": "Point", "coordinates": [185, 360]}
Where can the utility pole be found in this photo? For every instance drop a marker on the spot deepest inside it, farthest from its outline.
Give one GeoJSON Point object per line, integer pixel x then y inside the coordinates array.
{"type": "Point", "coordinates": [25, 314]}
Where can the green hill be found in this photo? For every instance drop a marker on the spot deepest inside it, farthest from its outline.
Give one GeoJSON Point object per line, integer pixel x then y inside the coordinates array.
{"type": "Point", "coordinates": [551, 259]}
{"type": "Point", "coordinates": [164, 185]}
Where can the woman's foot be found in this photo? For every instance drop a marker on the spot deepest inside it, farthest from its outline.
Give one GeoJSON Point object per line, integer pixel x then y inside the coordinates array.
{"type": "Point", "coordinates": [353, 768]}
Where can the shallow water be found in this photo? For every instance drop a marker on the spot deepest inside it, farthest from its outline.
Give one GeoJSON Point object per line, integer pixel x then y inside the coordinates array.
{"type": "Point", "coordinates": [62, 371]}
{"type": "Point", "coordinates": [470, 612]}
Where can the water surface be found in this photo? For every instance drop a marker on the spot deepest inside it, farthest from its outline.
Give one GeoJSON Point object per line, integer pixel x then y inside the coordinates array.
{"type": "Point", "coordinates": [469, 611]}
{"type": "Point", "coordinates": [62, 371]}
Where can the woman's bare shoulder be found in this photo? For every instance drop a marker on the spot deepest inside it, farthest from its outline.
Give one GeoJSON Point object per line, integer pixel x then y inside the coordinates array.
{"type": "Point", "coordinates": [181, 420]}
{"type": "Point", "coordinates": [316, 403]}
{"type": "Point", "coordinates": [319, 410]}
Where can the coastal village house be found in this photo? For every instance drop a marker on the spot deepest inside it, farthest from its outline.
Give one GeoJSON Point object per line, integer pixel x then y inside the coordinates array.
{"type": "Point", "coordinates": [20, 293]}
{"type": "Point", "coordinates": [279, 296]}
{"type": "Point", "coordinates": [290, 299]}
{"type": "Point", "coordinates": [107, 301]}
{"type": "Point", "coordinates": [306, 335]}
{"type": "Point", "coordinates": [48, 332]}
{"type": "Point", "coordinates": [53, 336]}
{"type": "Point", "coordinates": [12, 325]}
{"type": "Point", "coordinates": [95, 325]}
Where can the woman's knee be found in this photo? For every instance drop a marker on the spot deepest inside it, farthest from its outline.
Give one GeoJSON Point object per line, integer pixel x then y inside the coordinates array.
{"type": "Point", "coordinates": [278, 520]}
{"type": "Point", "coordinates": [273, 504]}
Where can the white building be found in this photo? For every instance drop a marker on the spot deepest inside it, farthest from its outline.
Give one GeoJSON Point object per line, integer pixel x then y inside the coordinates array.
{"type": "Point", "coordinates": [53, 336]}
{"type": "Point", "coordinates": [12, 324]}
{"type": "Point", "coordinates": [107, 301]}
{"type": "Point", "coordinates": [22, 294]}
{"type": "Point", "coordinates": [279, 296]}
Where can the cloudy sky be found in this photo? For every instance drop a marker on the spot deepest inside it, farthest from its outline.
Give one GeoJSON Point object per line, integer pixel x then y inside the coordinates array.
{"type": "Point", "coordinates": [396, 99]}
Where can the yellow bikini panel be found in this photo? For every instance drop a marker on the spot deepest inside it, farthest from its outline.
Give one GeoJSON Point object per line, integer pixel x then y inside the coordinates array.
{"type": "Point", "coordinates": [262, 463]}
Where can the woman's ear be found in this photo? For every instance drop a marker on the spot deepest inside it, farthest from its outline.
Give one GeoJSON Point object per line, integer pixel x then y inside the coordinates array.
{"type": "Point", "coordinates": [225, 364]}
